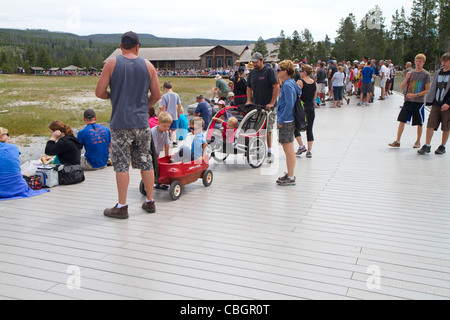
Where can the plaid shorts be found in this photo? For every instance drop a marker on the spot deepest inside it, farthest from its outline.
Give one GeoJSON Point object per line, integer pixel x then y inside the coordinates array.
{"type": "Point", "coordinates": [131, 145]}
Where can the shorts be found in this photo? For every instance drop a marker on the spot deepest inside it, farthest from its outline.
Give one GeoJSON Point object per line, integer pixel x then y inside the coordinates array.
{"type": "Point", "coordinates": [383, 82]}
{"type": "Point", "coordinates": [337, 93]}
{"type": "Point", "coordinates": [286, 133]}
{"type": "Point", "coordinates": [86, 166]}
{"type": "Point", "coordinates": [416, 110]}
{"type": "Point", "coordinates": [367, 87]}
{"type": "Point", "coordinates": [131, 145]}
{"type": "Point", "coordinates": [437, 117]}
{"type": "Point", "coordinates": [321, 88]}
{"type": "Point", "coordinates": [271, 121]}
{"type": "Point", "coordinates": [174, 125]}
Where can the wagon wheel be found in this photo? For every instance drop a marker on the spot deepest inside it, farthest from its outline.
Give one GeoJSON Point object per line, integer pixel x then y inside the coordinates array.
{"type": "Point", "coordinates": [256, 152]}
{"type": "Point", "coordinates": [175, 190]}
{"type": "Point", "coordinates": [142, 188]}
{"type": "Point", "coordinates": [207, 178]}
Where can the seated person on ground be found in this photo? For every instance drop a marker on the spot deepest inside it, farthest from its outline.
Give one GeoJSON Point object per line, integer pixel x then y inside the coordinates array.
{"type": "Point", "coordinates": [12, 183]}
{"type": "Point", "coordinates": [96, 140]}
{"type": "Point", "coordinates": [198, 148]}
{"type": "Point", "coordinates": [63, 144]}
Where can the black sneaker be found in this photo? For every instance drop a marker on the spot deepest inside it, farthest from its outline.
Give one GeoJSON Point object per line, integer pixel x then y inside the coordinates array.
{"type": "Point", "coordinates": [425, 149]}
{"type": "Point", "coordinates": [440, 150]}
{"type": "Point", "coordinates": [269, 157]}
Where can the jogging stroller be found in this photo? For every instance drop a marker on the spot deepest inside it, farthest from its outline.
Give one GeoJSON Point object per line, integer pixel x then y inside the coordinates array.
{"type": "Point", "coordinates": [249, 138]}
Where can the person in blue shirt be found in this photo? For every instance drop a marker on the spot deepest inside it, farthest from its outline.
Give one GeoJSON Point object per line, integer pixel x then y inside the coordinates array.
{"type": "Point", "coordinates": [96, 140]}
{"type": "Point", "coordinates": [367, 74]}
{"type": "Point", "coordinates": [203, 110]}
{"type": "Point", "coordinates": [197, 150]}
{"type": "Point", "coordinates": [288, 95]}
{"type": "Point", "coordinates": [12, 184]}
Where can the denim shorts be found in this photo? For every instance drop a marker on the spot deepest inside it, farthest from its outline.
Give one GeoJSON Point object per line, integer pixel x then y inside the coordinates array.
{"type": "Point", "coordinates": [131, 145]}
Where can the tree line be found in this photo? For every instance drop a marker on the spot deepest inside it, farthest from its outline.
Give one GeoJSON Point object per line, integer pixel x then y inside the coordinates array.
{"type": "Point", "coordinates": [426, 30]}
{"type": "Point", "coordinates": [40, 48]}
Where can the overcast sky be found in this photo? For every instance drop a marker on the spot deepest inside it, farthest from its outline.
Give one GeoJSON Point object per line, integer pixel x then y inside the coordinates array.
{"type": "Point", "coordinates": [224, 20]}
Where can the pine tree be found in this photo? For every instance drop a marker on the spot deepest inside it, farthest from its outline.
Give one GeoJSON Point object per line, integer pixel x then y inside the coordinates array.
{"type": "Point", "coordinates": [444, 26]}
{"type": "Point", "coordinates": [399, 35]}
{"type": "Point", "coordinates": [43, 59]}
{"type": "Point", "coordinates": [309, 45]}
{"type": "Point", "coordinates": [345, 42]}
{"type": "Point", "coordinates": [261, 47]}
{"type": "Point", "coordinates": [283, 46]}
{"type": "Point", "coordinates": [423, 28]}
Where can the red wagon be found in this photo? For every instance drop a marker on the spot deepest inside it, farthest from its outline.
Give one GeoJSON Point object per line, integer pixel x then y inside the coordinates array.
{"type": "Point", "coordinates": [176, 175]}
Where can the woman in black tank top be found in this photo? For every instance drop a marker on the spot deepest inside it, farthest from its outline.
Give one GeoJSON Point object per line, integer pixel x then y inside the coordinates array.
{"type": "Point", "coordinates": [309, 95]}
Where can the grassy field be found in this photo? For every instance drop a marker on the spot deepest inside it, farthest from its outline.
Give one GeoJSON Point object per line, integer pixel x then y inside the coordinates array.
{"type": "Point", "coordinates": [28, 104]}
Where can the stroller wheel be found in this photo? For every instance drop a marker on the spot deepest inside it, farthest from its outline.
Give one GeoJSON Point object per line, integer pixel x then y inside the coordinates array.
{"type": "Point", "coordinates": [256, 152]}
{"type": "Point", "coordinates": [220, 157]}
{"type": "Point", "coordinates": [175, 190]}
{"type": "Point", "coordinates": [142, 188]}
{"type": "Point", "coordinates": [207, 178]}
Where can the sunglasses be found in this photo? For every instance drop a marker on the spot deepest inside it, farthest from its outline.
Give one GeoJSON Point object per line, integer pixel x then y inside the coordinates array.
{"type": "Point", "coordinates": [279, 70]}
{"type": "Point", "coordinates": [5, 134]}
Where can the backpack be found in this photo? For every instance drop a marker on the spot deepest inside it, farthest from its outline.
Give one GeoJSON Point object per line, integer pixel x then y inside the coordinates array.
{"type": "Point", "coordinates": [300, 115]}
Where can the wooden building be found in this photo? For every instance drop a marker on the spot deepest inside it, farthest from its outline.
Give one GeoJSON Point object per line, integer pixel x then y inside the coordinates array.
{"type": "Point", "coordinates": [209, 57]}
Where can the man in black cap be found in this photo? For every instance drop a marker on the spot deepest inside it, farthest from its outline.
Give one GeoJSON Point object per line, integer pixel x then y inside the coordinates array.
{"type": "Point", "coordinates": [130, 79]}
{"type": "Point", "coordinates": [262, 89]}
{"type": "Point", "coordinates": [96, 140]}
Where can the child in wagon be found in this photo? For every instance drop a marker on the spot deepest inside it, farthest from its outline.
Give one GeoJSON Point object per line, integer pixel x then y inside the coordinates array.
{"type": "Point", "coordinates": [197, 151]}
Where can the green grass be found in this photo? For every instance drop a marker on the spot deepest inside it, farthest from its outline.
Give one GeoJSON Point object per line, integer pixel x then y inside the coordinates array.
{"type": "Point", "coordinates": [28, 104]}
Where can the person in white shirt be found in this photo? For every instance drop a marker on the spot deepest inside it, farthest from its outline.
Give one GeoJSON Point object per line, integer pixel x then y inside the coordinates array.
{"type": "Point", "coordinates": [383, 79]}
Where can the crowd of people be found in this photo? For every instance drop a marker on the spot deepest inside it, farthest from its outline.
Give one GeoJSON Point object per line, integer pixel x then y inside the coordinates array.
{"type": "Point", "coordinates": [277, 87]}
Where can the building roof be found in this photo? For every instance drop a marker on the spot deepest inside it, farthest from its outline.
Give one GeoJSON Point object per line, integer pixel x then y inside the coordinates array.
{"type": "Point", "coordinates": [195, 53]}
{"type": "Point", "coordinates": [169, 53]}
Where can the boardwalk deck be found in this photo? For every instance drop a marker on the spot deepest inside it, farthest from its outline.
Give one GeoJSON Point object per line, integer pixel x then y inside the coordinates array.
{"type": "Point", "coordinates": [359, 209]}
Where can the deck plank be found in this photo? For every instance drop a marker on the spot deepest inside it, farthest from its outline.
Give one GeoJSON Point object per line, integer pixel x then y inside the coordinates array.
{"type": "Point", "coordinates": [357, 205]}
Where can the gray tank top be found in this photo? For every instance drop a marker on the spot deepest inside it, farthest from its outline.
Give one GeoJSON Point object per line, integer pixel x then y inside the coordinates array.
{"type": "Point", "coordinates": [129, 84]}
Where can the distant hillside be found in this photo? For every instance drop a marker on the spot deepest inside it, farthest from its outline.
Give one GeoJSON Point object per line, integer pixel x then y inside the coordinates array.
{"type": "Point", "coordinates": [43, 48]}
{"type": "Point", "coordinates": [8, 36]}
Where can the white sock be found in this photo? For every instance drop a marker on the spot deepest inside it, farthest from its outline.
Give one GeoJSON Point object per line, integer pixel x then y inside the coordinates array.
{"type": "Point", "coordinates": [146, 200]}
{"type": "Point", "coordinates": [269, 150]}
{"type": "Point", "coordinates": [292, 178]}
{"type": "Point", "coordinates": [121, 205]}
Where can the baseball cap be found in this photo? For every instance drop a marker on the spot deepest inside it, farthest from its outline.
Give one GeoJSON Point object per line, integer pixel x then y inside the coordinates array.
{"type": "Point", "coordinates": [89, 114]}
{"type": "Point", "coordinates": [130, 38]}
{"type": "Point", "coordinates": [257, 56]}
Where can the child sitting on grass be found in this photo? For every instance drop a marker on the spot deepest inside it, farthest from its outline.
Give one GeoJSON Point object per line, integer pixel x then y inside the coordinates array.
{"type": "Point", "coordinates": [197, 151]}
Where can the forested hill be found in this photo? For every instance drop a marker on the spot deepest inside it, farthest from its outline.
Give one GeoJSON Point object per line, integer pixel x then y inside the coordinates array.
{"type": "Point", "coordinates": [42, 48]}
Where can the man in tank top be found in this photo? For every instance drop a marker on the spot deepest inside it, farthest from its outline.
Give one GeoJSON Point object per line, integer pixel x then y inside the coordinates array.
{"type": "Point", "coordinates": [130, 78]}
